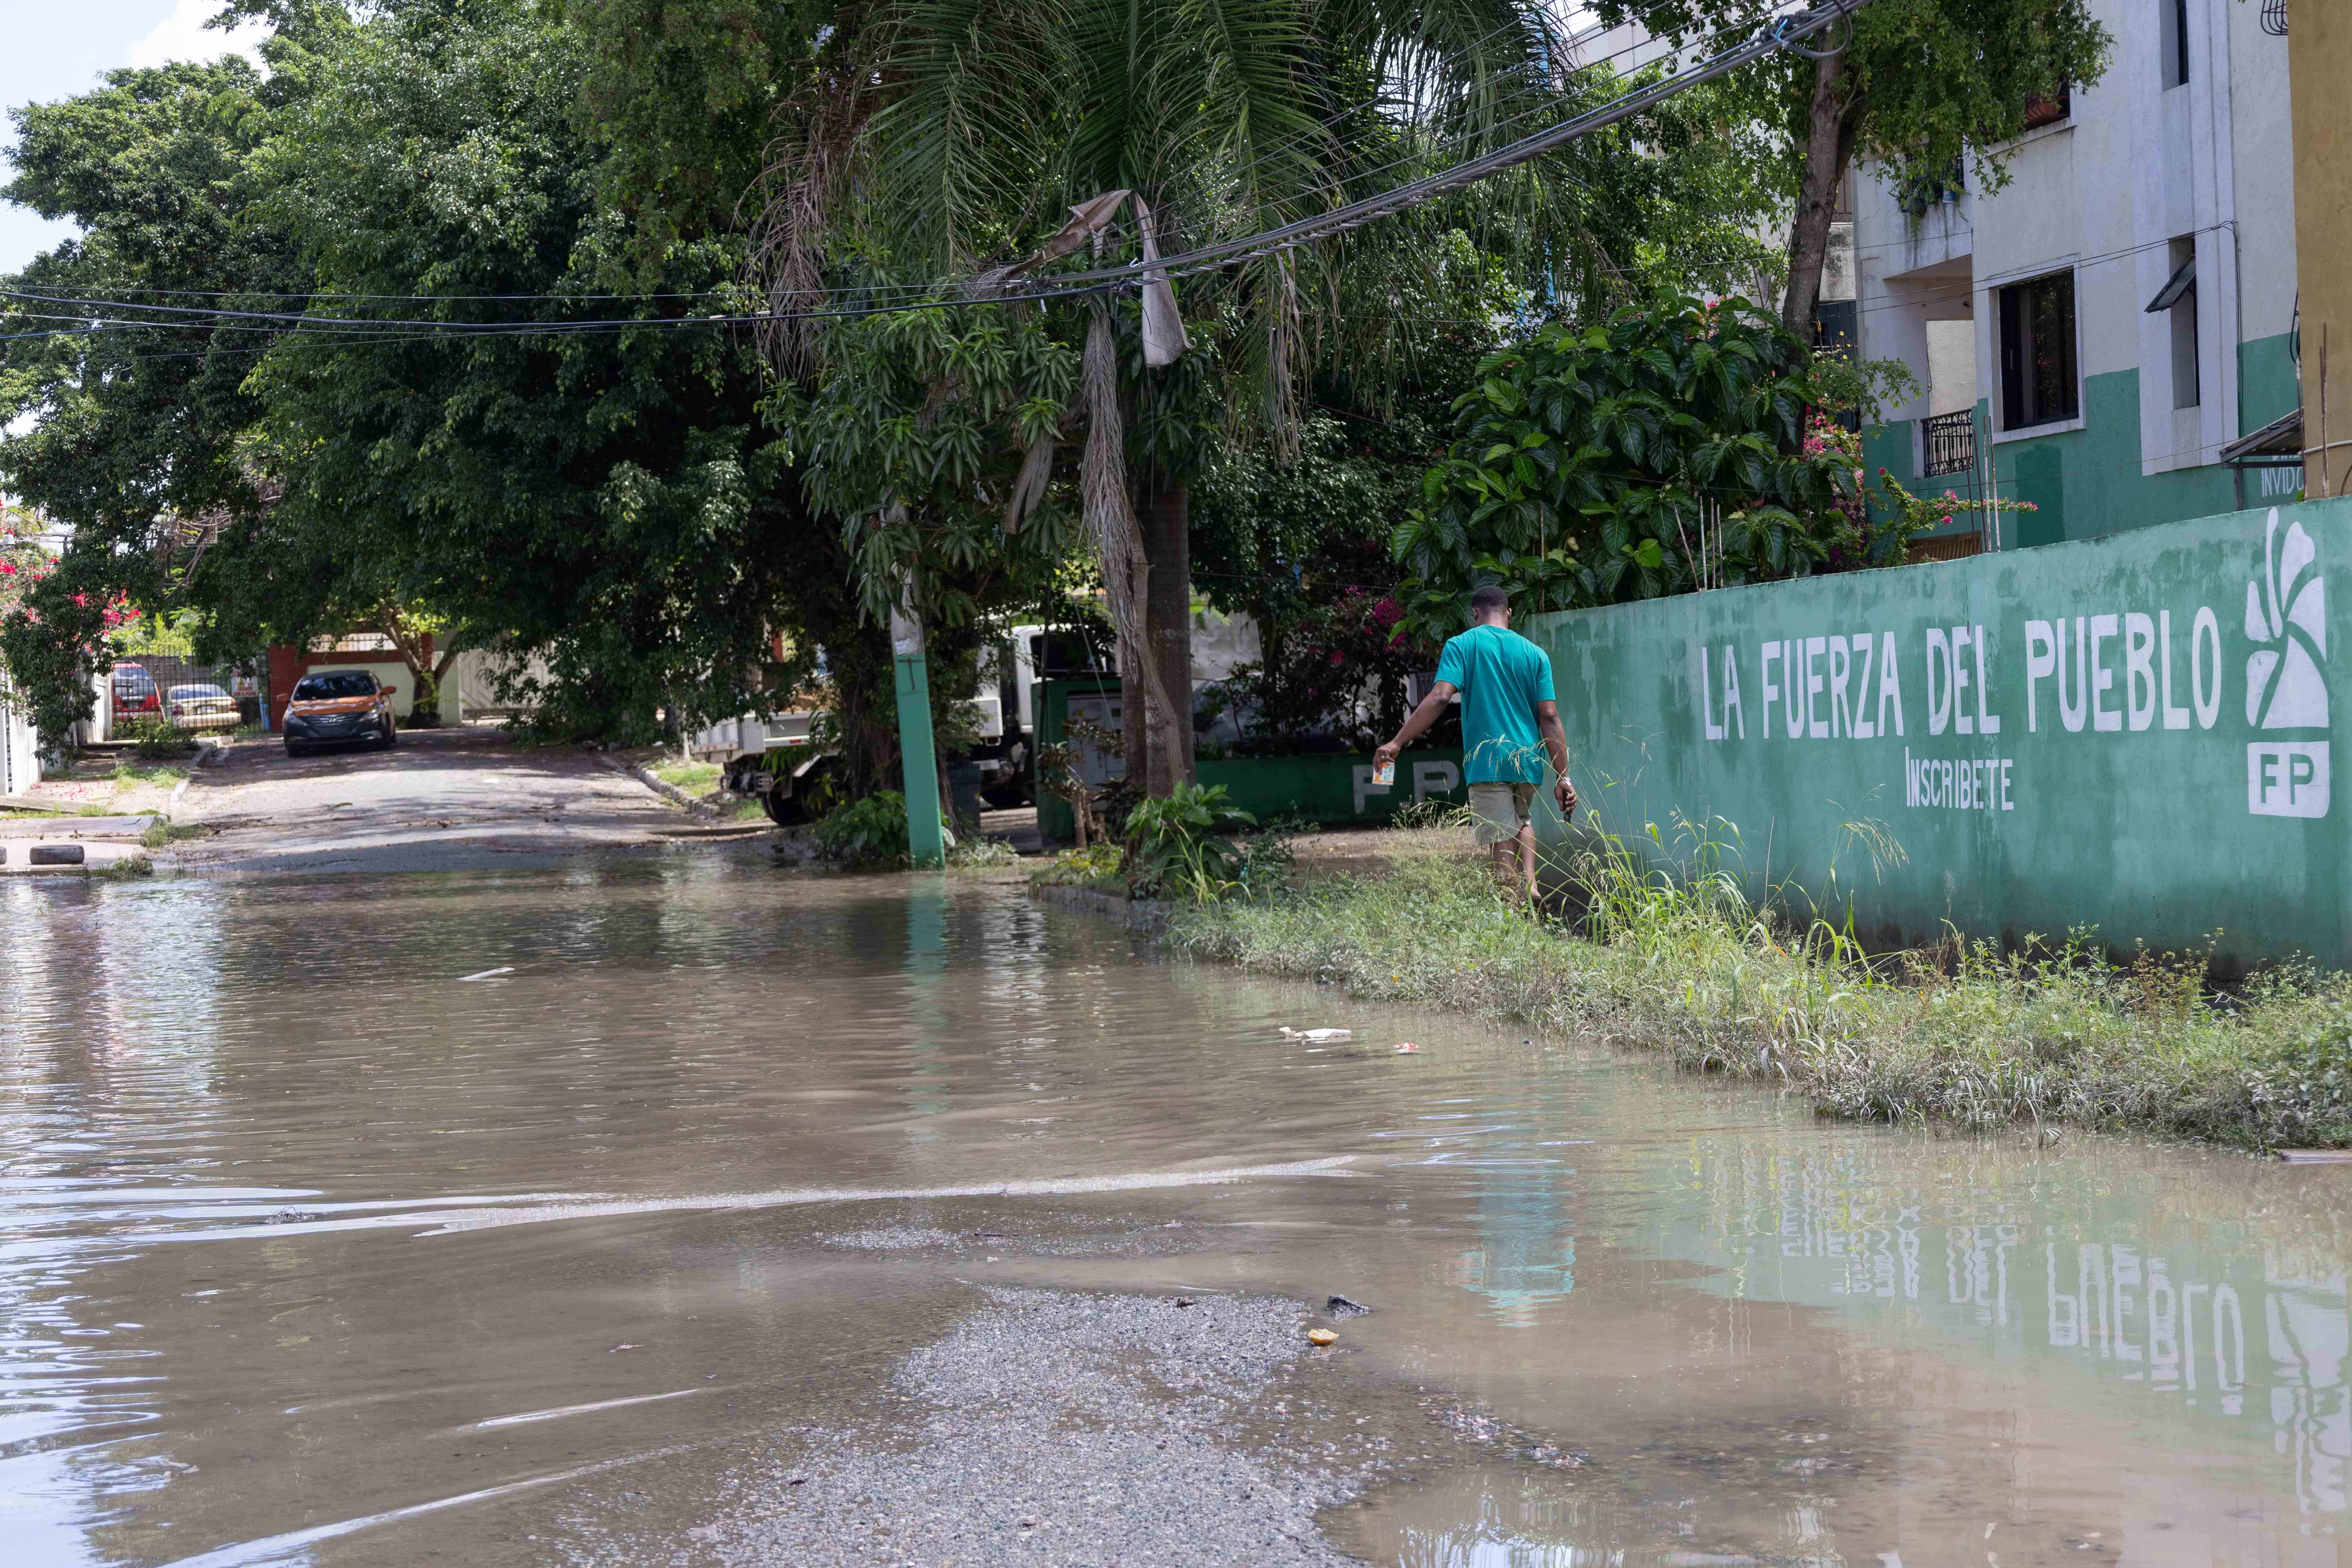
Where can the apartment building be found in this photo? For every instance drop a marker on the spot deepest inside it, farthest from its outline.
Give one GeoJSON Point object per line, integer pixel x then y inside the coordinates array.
{"type": "Point", "coordinates": [2099, 335]}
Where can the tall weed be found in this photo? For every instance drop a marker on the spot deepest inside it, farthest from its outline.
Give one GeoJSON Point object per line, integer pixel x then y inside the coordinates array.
{"type": "Point", "coordinates": [2057, 1033]}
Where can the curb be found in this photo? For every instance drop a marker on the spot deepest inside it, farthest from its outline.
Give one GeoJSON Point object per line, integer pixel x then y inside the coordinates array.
{"type": "Point", "coordinates": [668, 791]}
{"type": "Point", "coordinates": [1137, 914]}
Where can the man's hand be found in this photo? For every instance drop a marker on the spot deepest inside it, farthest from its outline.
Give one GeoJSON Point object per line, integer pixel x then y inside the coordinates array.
{"type": "Point", "coordinates": [1387, 754]}
{"type": "Point", "coordinates": [1566, 792]}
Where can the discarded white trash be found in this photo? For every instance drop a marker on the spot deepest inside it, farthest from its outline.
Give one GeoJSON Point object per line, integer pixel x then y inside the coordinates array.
{"type": "Point", "coordinates": [1320, 1037]}
{"type": "Point", "coordinates": [1408, 1050]}
{"type": "Point", "coordinates": [486, 973]}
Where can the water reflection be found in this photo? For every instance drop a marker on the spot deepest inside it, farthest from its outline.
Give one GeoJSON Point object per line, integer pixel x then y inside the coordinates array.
{"type": "Point", "coordinates": [2138, 1286]}
{"type": "Point", "coordinates": [2191, 1306]}
{"type": "Point", "coordinates": [277, 1192]}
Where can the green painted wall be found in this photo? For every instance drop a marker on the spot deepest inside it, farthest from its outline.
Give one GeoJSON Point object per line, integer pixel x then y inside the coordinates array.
{"type": "Point", "coordinates": [2131, 755]}
{"type": "Point", "coordinates": [2087, 483]}
{"type": "Point", "coordinates": [1336, 787]}
{"type": "Point", "coordinates": [2267, 386]}
{"type": "Point", "coordinates": [1329, 787]}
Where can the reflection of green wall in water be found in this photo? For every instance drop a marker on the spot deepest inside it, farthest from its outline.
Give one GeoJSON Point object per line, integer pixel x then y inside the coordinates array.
{"type": "Point", "coordinates": [2109, 734]}
{"type": "Point", "coordinates": [931, 1001]}
{"type": "Point", "coordinates": [2218, 1303]}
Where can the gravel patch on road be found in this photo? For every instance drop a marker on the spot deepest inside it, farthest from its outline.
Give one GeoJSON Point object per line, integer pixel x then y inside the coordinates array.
{"type": "Point", "coordinates": [1045, 1235]}
{"type": "Point", "coordinates": [894, 1238]}
{"type": "Point", "coordinates": [1053, 1428]}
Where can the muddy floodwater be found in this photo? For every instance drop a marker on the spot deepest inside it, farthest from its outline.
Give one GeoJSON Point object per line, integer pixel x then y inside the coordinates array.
{"type": "Point", "coordinates": [713, 1184]}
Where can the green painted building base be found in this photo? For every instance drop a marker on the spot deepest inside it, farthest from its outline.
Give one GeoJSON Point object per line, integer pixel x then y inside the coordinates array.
{"type": "Point", "coordinates": [2087, 483]}
{"type": "Point", "coordinates": [2131, 734]}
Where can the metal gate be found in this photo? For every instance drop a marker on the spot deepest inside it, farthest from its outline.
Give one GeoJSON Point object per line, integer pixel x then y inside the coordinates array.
{"type": "Point", "coordinates": [158, 680]}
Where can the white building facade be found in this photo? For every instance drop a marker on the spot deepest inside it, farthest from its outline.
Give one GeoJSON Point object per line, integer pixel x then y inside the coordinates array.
{"type": "Point", "coordinates": [2092, 334]}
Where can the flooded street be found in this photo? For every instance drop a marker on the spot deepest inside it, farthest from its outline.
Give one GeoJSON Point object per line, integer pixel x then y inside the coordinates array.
{"type": "Point", "coordinates": [732, 1216]}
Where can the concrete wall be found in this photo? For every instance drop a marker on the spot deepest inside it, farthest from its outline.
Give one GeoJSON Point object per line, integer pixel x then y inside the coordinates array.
{"type": "Point", "coordinates": [20, 747]}
{"type": "Point", "coordinates": [2131, 733]}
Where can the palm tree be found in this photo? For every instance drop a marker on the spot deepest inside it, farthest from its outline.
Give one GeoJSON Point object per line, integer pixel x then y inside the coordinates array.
{"type": "Point", "coordinates": [959, 133]}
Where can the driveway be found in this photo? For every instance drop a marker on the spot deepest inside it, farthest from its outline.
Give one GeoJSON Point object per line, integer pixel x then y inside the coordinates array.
{"type": "Point", "coordinates": [442, 800]}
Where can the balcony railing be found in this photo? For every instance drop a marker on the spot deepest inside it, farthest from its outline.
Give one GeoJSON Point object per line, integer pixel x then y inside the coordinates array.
{"type": "Point", "coordinates": [1951, 442]}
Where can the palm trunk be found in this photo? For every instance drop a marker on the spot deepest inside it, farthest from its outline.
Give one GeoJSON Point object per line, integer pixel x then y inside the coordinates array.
{"type": "Point", "coordinates": [1167, 545]}
{"type": "Point", "coordinates": [1829, 145]}
{"type": "Point", "coordinates": [1119, 548]}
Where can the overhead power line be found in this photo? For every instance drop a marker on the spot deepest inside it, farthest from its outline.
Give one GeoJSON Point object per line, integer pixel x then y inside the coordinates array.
{"type": "Point", "coordinates": [1787, 31]}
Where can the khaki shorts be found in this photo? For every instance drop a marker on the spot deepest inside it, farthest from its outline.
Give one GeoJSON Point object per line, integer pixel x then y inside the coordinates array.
{"type": "Point", "coordinates": [1502, 810]}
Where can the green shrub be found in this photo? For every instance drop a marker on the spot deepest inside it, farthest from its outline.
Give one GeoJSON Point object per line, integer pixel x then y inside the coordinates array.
{"type": "Point", "coordinates": [1101, 866]}
{"type": "Point", "coordinates": [154, 740]}
{"type": "Point", "coordinates": [1663, 450]}
{"type": "Point", "coordinates": [1178, 847]}
{"type": "Point", "coordinates": [868, 835]}
{"type": "Point", "coordinates": [973, 853]}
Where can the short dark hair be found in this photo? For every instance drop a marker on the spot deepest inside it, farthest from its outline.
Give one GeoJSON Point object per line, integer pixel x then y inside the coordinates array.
{"type": "Point", "coordinates": [1488, 598]}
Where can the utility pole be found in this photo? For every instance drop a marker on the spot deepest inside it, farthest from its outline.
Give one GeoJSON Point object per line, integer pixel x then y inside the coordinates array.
{"type": "Point", "coordinates": [917, 755]}
{"type": "Point", "coordinates": [2320, 32]}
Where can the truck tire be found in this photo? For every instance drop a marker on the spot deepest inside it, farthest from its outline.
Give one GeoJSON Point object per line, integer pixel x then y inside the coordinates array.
{"type": "Point", "coordinates": [782, 808]}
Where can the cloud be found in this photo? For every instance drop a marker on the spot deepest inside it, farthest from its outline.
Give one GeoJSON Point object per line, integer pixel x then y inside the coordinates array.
{"type": "Point", "coordinates": [183, 36]}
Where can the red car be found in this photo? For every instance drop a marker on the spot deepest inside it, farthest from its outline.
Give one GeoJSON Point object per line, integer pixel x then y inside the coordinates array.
{"type": "Point", "coordinates": [136, 695]}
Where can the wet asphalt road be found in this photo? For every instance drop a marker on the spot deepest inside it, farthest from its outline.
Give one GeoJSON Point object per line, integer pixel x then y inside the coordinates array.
{"type": "Point", "coordinates": [442, 800]}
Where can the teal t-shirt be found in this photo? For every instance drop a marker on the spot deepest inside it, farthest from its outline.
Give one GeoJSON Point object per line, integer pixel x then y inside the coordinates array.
{"type": "Point", "coordinates": [1501, 676]}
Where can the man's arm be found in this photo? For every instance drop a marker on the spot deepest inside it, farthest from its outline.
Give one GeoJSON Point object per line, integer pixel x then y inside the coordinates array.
{"type": "Point", "coordinates": [1556, 743]}
{"type": "Point", "coordinates": [1432, 708]}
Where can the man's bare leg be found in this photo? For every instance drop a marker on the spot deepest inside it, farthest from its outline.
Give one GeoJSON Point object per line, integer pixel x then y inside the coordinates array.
{"type": "Point", "coordinates": [1528, 862]}
{"type": "Point", "coordinates": [1499, 857]}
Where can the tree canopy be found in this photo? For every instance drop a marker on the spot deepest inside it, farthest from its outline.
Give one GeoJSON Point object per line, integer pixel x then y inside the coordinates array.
{"type": "Point", "coordinates": [477, 251]}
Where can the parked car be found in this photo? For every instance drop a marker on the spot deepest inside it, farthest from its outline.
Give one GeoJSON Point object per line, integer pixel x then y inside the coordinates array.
{"type": "Point", "coordinates": [135, 694]}
{"type": "Point", "coordinates": [335, 707]}
{"type": "Point", "coordinates": [200, 708]}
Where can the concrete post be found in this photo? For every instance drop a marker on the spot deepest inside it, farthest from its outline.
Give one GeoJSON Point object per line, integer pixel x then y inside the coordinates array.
{"type": "Point", "coordinates": [2319, 33]}
{"type": "Point", "coordinates": [917, 755]}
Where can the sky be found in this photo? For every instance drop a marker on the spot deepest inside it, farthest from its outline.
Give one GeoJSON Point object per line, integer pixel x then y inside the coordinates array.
{"type": "Point", "coordinates": [54, 50]}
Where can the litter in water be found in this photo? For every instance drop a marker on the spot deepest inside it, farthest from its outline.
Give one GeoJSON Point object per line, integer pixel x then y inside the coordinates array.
{"type": "Point", "coordinates": [1321, 1337]}
{"type": "Point", "coordinates": [1407, 1048]}
{"type": "Point", "coordinates": [1320, 1037]}
{"type": "Point", "coordinates": [1340, 1306]}
{"type": "Point", "coordinates": [486, 973]}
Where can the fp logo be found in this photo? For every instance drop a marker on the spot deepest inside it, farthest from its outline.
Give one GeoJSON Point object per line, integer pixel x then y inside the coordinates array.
{"type": "Point", "coordinates": [2286, 616]}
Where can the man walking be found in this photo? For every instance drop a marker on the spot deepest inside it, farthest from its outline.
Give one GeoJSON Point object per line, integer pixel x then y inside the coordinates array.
{"type": "Point", "coordinates": [1509, 720]}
